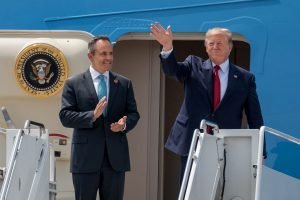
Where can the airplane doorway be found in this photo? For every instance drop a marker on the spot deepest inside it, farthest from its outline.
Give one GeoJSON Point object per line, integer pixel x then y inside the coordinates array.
{"type": "Point", "coordinates": [154, 171]}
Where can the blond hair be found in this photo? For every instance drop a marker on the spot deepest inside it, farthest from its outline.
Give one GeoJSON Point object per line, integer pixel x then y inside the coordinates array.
{"type": "Point", "coordinates": [219, 31]}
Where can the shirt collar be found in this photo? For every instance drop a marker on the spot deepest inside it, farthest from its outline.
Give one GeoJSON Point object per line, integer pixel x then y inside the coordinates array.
{"type": "Point", "coordinates": [224, 66]}
{"type": "Point", "coordinates": [95, 74]}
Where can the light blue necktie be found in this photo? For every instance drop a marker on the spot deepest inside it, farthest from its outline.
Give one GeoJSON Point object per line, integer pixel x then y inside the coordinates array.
{"type": "Point", "coordinates": [102, 89]}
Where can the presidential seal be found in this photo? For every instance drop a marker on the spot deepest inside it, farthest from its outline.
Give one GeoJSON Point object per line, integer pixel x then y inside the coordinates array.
{"type": "Point", "coordinates": [41, 70]}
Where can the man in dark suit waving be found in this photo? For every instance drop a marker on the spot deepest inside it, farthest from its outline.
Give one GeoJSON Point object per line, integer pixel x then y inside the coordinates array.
{"type": "Point", "coordinates": [101, 107]}
{"type": "Point", "coordinates": [214, 89]}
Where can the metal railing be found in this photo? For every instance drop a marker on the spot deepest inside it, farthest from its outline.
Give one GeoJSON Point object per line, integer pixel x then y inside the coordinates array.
{"type": "Point", "coordinates": [272, 131]}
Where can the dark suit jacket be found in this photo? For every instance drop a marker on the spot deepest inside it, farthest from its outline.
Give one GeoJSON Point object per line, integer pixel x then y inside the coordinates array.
{"type": "Point", "coordinates": [196, 74]}
{"type": "Point", "coordinates": [79, 100]}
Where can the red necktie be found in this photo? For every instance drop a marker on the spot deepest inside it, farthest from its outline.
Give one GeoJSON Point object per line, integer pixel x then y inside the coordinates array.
{"type": "Point", "coordinates": [217, 87]}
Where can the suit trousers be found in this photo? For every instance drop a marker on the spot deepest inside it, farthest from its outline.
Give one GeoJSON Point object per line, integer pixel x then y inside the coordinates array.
{"type": "Point", "coordinates": [183, 161]}
{"type": "Point", "coordinates": [107, 181]}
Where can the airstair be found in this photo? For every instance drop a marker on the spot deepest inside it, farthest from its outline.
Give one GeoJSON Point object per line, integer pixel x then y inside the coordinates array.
{"type": "Point", "coordinates": [29, 171]}
{"type": "Point", "coordinates": [229, 165]}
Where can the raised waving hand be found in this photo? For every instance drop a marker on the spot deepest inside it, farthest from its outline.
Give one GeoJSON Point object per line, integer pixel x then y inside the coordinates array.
{"type": "Point", "coordinates": [163, 36]}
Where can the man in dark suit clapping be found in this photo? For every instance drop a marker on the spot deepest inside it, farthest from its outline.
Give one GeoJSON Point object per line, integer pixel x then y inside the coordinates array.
{"type": "Point", "coordinates": [100, 106]}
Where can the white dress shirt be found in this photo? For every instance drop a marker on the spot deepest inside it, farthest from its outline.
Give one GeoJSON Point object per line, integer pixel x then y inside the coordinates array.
{"type": "Point", "coordinates": [96, 81]}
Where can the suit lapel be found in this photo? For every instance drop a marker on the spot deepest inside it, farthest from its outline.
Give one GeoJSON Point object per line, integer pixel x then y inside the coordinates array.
{"type": "Point", "coordinates": [113, 87]}
{"type": "Point", "coordinates": [233, 75]}
{"type": "Point", "coordinates": [88, 82]}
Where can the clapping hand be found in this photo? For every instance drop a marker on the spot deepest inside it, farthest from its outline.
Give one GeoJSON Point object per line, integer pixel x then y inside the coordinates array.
{"type": "Point", "coordinates": [119, 126]}
{"type": "Point", "coordinates": [99, 108]}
